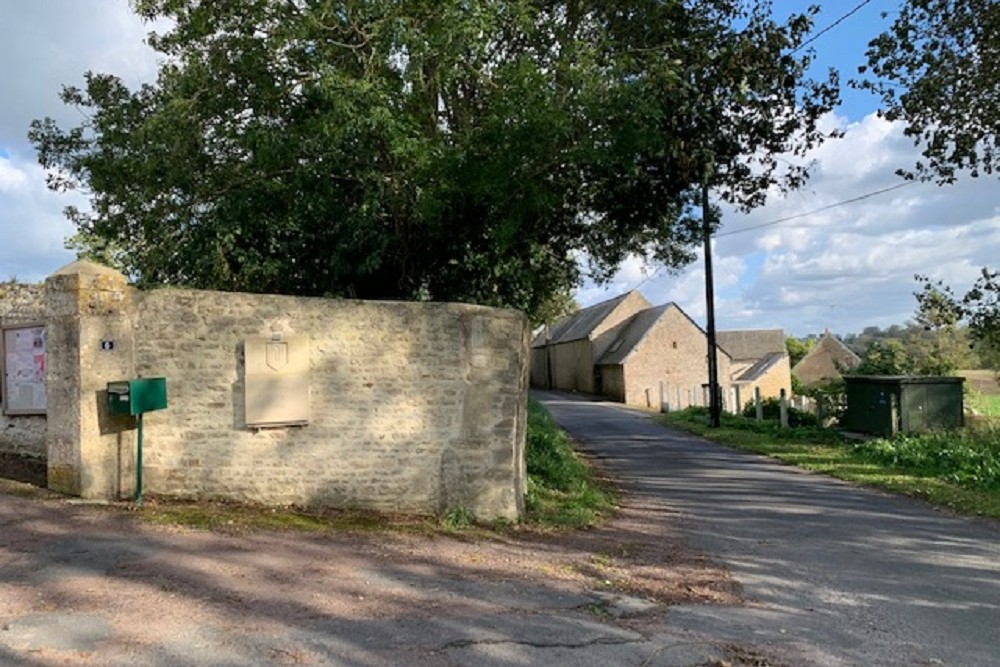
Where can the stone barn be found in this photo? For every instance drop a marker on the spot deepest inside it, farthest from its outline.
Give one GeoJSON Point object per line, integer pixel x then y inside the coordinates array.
{"type": "Point", "coordinates": [825, 362]}
{"type": "Point", "coordinates": [565, 355]}
{"type": "Point", "coordinates": [760, 361]}
{"type": "Point", "coordinates": [659, 348]}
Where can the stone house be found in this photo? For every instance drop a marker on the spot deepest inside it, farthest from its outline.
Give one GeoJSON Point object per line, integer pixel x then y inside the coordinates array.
{"type": "Point", "coordinates": [760, 360]}
{"type": "Point", "coordinates": [628, 350]}
{"type": "Point", "coordinates": [825, 361]}
{"type": "Point", "coordinates": [658, 349]}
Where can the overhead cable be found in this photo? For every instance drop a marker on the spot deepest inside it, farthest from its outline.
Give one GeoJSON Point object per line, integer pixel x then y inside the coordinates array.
{"type": "Point", "coordinates": [831, 26]}
{"type": "Point", "coordinates": [771, 223]}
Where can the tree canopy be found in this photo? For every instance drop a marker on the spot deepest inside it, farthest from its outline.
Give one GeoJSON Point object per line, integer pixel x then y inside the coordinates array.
{"type": "Point", "coordinates": [938, 69]}
{"type": "Point", "coordinates": [431, 149]}
{"type": "Point", "coordinates": [979, 308]}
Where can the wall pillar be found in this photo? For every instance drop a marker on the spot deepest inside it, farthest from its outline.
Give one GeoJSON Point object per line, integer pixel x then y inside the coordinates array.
{"type": "Point", "coordinates": [90, 342]}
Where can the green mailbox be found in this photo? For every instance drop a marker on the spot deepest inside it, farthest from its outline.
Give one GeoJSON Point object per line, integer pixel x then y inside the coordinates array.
{"type": "Point", "coordinates": [137, 397]}
{"type": "Point", "coordinates": [134, 397]}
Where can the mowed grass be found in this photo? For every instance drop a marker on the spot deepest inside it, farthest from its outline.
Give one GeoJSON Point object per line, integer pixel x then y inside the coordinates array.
{"type": "Point", "coordinates": [985, 404]}
{"type": "Point", "coordinates": [958, 471]}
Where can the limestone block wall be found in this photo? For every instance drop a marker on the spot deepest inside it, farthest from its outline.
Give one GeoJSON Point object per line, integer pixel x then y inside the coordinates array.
{"type": "Point", "coordinates": [605, 333]}
{"type": "Point", "coordinates": [573, 366]}
{"type": "Point", "coordinates": [22, 435]}
{"type": "Point", "coordinates": [674, 351]}
{"type": "Point", "coordinates": [777, 377]}
{"type": "Point", "coordinates": [89, 453]}
{"type": "Point", "coordinates": [414, 407]}
{"type": "Point", "coordinates": [613, 382]}
{"type": "Point", "coordinates": [539, 367]}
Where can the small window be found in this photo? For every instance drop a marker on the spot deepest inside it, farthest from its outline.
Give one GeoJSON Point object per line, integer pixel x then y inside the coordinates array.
{"type": "Point", "coordinates": [675, 345]}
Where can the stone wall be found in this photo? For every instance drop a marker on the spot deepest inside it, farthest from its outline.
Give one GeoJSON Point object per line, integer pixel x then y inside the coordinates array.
{"type": "Point", "coordinates": [22, 435]}
{"type": "Point", "coordinates": [540, 367]}
{"type": "Point", "coordinates": [778, 377]}
{"type": "Point", "coordinates": [613, 382]}
{"type": "Point", "coordinates": [414, 407]}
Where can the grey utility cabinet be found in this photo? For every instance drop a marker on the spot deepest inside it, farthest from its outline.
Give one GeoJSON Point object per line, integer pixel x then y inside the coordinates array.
{"type": "Point", "coordinates": [889, 404]}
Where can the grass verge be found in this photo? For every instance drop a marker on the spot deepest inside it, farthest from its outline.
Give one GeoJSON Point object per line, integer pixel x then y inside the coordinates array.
{"type": "Point", "coordinates": [985, 404]}
{"type": "Point", "coordinates": [563, 489]}
{"type": "Point", "coordinates": [958, 471]}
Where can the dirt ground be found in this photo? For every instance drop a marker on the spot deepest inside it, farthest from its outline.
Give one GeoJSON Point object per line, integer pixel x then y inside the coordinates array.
{"type": "Point", "coordinates": [57, 554]}
{"type": "Point", "coordinates": [983, 381]}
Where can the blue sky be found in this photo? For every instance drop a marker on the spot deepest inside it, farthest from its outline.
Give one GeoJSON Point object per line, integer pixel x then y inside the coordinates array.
{"type": "Point", "coordinates": [844, 268]}
{"type": "Point", "coordinates": [847, 267]}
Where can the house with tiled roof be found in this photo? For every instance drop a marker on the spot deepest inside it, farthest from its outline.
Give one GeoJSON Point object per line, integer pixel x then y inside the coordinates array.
{"type": "Point", "coordinates": [825, 362]}
{"type": "Point", "coordinates": [760, 361]}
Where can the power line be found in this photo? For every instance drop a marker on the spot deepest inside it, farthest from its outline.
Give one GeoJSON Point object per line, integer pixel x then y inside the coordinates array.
{"type": "Point", "coordinates": [831, 26]}
{"type": "Point", "coordinates": [815, 211]}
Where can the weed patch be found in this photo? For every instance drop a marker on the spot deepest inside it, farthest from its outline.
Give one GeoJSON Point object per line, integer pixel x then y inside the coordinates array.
{"type": "Point", "coordinates": [563, 491]}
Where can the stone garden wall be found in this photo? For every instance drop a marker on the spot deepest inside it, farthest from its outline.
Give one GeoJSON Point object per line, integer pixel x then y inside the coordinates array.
{"type": "Point", "coordinates": [414, 407]}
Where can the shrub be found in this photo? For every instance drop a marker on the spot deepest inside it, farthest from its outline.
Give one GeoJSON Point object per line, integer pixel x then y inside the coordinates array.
{"type": "Point", "coordinates": [772, 411]}
{"type": "Point", "coordinates": [969, 457]}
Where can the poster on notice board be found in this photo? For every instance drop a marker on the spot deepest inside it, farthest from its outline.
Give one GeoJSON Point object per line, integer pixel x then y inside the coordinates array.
{"type": "Point", "coordinates": [24, 370]}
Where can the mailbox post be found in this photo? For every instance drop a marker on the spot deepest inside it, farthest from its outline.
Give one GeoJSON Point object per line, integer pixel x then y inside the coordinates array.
{"type": "Point", "coordinates": [135, 398]}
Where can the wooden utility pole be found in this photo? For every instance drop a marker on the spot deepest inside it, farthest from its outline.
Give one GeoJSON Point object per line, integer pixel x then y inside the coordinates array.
{"type": "Point", "coordinates": [714, 406]}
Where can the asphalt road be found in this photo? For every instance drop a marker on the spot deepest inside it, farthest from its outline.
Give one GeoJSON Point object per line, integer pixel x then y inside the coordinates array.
{"type": "Point", "coordinates": [836, 575]}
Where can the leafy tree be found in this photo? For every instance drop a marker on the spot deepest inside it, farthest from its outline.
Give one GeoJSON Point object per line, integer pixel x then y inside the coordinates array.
{"type": "Point", "coordinates": [979, 308]}
{"type": "Point", "coordinates": [797, 349]}
{"type": "Point", "coordinates": [555, 307]}
{"type": "Point", "coordinates": [936, 69]}
{"type": "Point", "coordinates": [885, 357]}
{"type": "Point", "coordinates": [433, 149]}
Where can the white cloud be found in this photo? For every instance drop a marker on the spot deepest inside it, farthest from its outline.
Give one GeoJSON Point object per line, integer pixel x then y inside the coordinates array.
{"type": "Point", "coordinates": [46, 44]}
{"type": "Point", "coordinates": [11, 178]}
{"type": "Point", "coordinates": [850, 266]}
{"type": "Point", "coordinates": [33, 227]}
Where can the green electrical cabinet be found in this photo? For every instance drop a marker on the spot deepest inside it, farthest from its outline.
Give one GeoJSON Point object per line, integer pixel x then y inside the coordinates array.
{"type": "Point", "coordinates": [889, 404]}
{"type": "Point", "coordinates": [134, 397]}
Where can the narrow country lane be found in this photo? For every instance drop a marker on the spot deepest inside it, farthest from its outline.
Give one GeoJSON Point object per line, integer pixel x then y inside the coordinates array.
{"type": "Point", "coordinates": [834, 574]}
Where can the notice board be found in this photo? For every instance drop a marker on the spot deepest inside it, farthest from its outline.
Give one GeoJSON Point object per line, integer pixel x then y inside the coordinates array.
{"type": "Point", "coordinates": [24, 362]}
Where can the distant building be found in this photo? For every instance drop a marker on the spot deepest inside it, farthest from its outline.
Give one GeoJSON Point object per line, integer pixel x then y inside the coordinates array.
{"type": "Point", "coordinates": [760, 359]}
{"type": "Point", "coordinates": [657, 345]}
{"type": "Point", "coordinates": [564, 356]}
{"type": "Point", "coordinates": [825, 362]}
{"type": "Point", "coordinates": [626, 349]}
